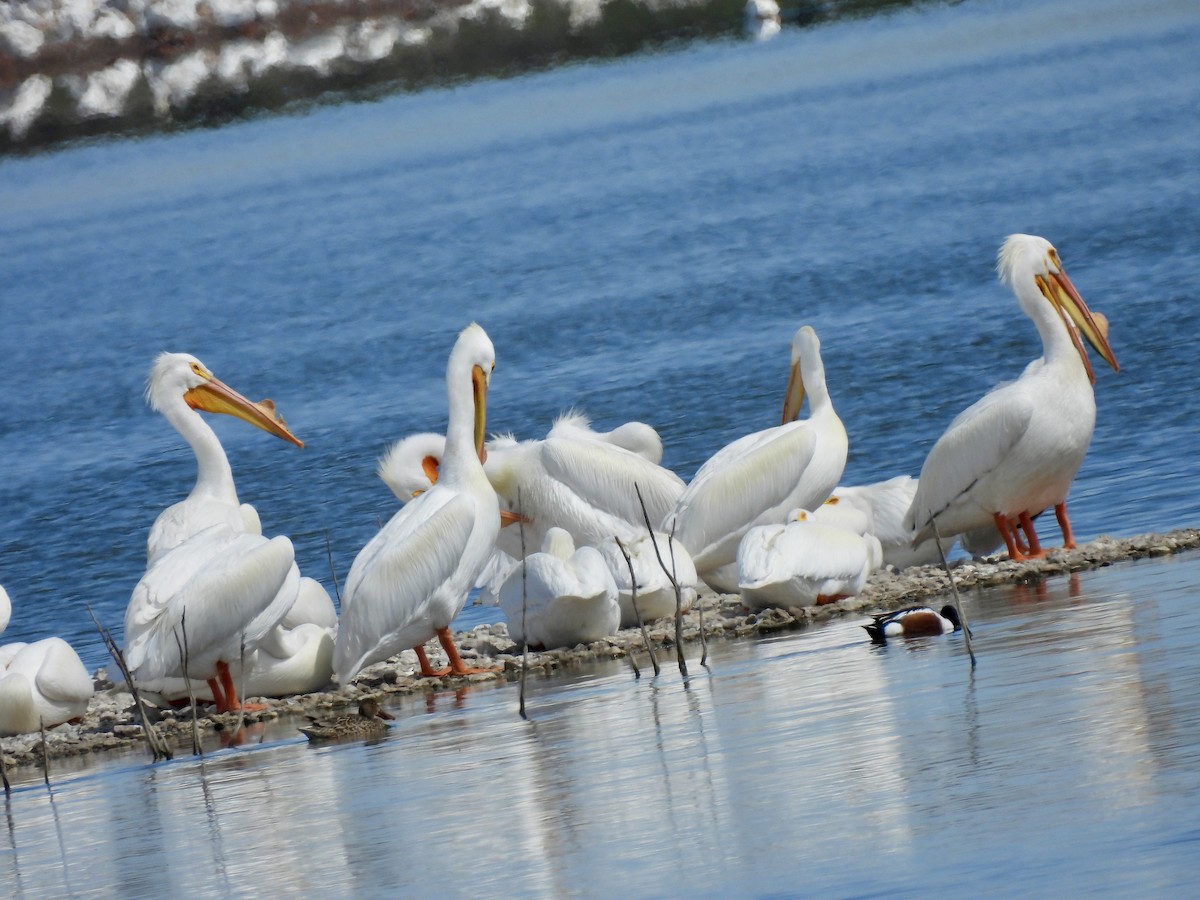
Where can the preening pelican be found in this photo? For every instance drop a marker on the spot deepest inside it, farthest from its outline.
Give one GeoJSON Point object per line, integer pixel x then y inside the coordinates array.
{"type": "Point", "coordinates": [803, 562]}
{"type": "Point", "coordinates": [1015, 452]}
{"type": "Point", "coordinates": [560, 596]}
{"type": "Point", "coordinates": [882, 505]}
{"type": "Point", "coordinates": [180, 384]}
{"type": "Point", "coordinates": [410, 580]}
{"type": "Point", "coordinates": [760, 478]}
{"type": "Point", "coordinates": [41, 683]}
{"type": "Point", "coordinates": [655, 594]}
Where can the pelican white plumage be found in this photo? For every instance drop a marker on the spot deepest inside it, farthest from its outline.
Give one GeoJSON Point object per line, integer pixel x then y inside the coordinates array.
{"type": "Point", "coordinates": [41, 683]}
{"type": "Point", "coordinates": [761, 19]}
{"type": "Point", "coordinates": [655, 593]}
{"type": "Point", "coordinates": [221, 589]}
{"type": "Point", "coordinates": [573, 479]}
{"type": "Point", "coordinates": [294, 657]}
{"type": "Point", "coordinates": [178, 386]}
{"type": "Point", "coordinates": [210, 573]}
{"type": "Point", "coordinates": [802, 562]}
{"type": "Point", "coordinates": [636, 437]}
{"type": "Point", "coordinates": [758, 479]}
{"type": "Point", "coordinates": [411, 580]}
{"type": "Point", "coordinates": [560, 596]}
{"type": "Point", "coordinates": [879, 509]}
{"type": "Point", "coordinates": [1015, 452]}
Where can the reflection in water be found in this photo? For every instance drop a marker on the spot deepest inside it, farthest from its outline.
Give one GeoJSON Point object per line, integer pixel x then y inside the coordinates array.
{"type": "Point", "coordinates": [785, 766]}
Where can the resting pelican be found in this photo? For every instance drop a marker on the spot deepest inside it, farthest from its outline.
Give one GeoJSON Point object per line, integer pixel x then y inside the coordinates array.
{"type": "Point", "coordinates": [410, 580]}
{"type": "Point", "coordinates": [803, 562]}
{"type": "Point", "coordinates": [1015, 452]}
{"type": "Point", "coordinates": [636, 437]}
{"type": "Point", "coordinates": [760, 478]}
{"type": "Point", "coordinates": [41, 683]}
{"type": "Point", "coordinates": [560, 596]}
{"type": "Point", "coordinates": [882, 505]}
{"type": "Point", "coordinates": [655, 594]}
{"type": "Point", "coordinates": [180, 384]}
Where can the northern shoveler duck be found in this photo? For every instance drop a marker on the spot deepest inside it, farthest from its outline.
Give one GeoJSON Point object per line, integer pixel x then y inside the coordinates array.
{"type": "Point", "coordinates": [912, 622]}
{"type": "Point", "coordinates": [366, 723]}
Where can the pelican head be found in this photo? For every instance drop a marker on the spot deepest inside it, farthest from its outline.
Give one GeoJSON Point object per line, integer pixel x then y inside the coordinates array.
{"type": "Point", "coordinates": [181, 374]}
{"type": "Point", "coordinates": [410, 466]}
{"type": "Point", "coordinates": [473, 352]}
{"type": "Point", "coordinates": [1024, 256]}
{"type": "Point", "coordinates": [804, 346]}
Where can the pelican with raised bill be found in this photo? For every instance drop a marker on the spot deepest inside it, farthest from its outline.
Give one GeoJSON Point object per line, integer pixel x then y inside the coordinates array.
{"type": "Point", "coordinates": [760, 478]}
{"type": "Point", "coordinates": [178, 386]}
{"type": "Point", "coordinates": [214, 586]}
{"type": "Point", "coordinates": [1015, 452]}
{"type": "Point", "coordinates": [411, 580]}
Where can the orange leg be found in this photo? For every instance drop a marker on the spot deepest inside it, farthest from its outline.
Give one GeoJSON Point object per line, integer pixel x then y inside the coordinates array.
{"type": "Point", "coordinates": [1035, 547]}
{"type": "Point", "coordinates": [1018, 537]}
{"type": "Point", "coordinates": [231, 704]}
{"type": "Point", "coordinates": [1060, 512]}
{"type": "Point", "coordinates": [218, 694]}
{"type": "Point", "coordinates": [822, 599]}
{"type": "Point", "coordinates": [1010, 541]}
{"type": "Point", "coordinates": [428, 671]}
{"type": "Point", "coordinates": [457, 666]}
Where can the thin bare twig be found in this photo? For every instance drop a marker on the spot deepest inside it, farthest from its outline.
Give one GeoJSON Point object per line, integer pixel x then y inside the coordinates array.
{"type": "Point", "coordinates": [524, 606]}
{"type": "Point", "coordinates": [670, 573]}
{"type": "Point", "coordinates": [636, 612]}
{"type": "Point", "coordinates": [4, 776]}
{"type": "Point", "coordinates": [241, 720]}
{"type": "Point", "coordinates": [937, 539]}
{"type": "Point", "coordinates": [187, 680]}
{"type": "Point", "coordinates": [332, 571]}
{"type": "Point", "coordinates": [158, 748]}
{"type": "Point", "coordinates": [45, 752]}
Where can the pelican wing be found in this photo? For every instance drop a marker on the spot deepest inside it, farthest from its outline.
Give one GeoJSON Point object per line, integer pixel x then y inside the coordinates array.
{"type": "Point", "coordinates": [221, 586]}
{"type": "Point", "coordinates": [755, 474]}
{"type": "Point", "coordinates": [976, 442]}
{"type": "Point", "coordinates": [604, 477]}
{"type": "Point", "coordinates": [385, 607]}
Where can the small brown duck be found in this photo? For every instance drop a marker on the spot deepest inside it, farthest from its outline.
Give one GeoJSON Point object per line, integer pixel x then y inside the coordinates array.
{"type": "Point", "coordinates": [366, 723]}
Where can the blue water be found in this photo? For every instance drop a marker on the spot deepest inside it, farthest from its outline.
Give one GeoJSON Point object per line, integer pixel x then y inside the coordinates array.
{"type": "Point", "coordinates": [641, 238]}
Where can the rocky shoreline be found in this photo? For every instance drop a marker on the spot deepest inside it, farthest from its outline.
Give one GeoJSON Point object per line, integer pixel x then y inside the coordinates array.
{"type": "Point", "coordinates": [80, 68]}
{"type": "Point", "coordinates": [110, 722]}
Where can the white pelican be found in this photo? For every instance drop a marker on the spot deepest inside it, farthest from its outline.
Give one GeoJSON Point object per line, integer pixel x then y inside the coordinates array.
{"type": "Point", "coordinates": [226, 590]}
{"type": "Point", "coordinates": [584, 485]}
{"type": "Point", "coordinates": [562, 595]}
{"type": "Point", "coordinates": [410, 580]}
{"type": "Point", "coordinates": [758, 479]}
{"type": "Point", "coordinates": [1015, 452]}
{"type": "Point", "coordinates": [180, 384]}
{"type": "Point", "coordinates": [803, 562]}
{"type": "Point", "coordinates": [294, 657]}
{"type": "Point", "coordinates": [636, 437]}
{"type": "Point", "coordinates": [655, 595]}
{"type": "Point", "coordinates": [41, 683]}
{"type": "Point", "coordinates": [882, 505]}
